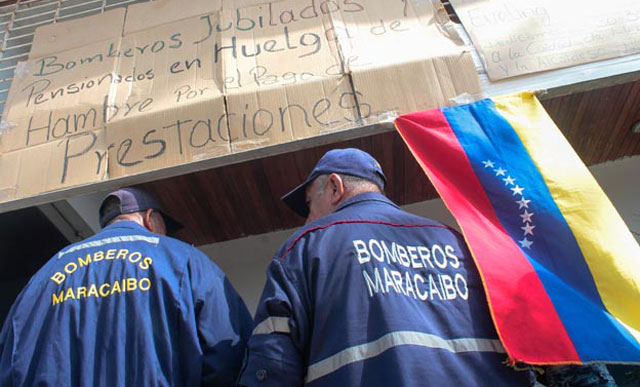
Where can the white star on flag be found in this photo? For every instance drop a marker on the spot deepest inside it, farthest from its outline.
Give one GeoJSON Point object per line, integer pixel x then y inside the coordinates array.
{"type": "Point", "coordinates": [509, 180]}
{"type": "Point", "coordinates": [500, 171]}
{"type": "Point", "coordinates": [526, 216]}
{"type": "Point", "coordinates": [525, 243]}
{"type": "Point", "coordinates": [488, 164]}
{"type": "Point", "coordinates": [523, 203]}
{"type": "Point", "coordinates": [528, 229]}
{"type": "Point", "coordinates": [517, 190]}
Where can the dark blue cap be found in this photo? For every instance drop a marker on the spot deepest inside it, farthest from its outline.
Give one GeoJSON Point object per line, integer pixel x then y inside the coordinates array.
{"type": "Point", "coordinates": [350, 161]}
{"type": "Point", "coordinates": [135, 200]}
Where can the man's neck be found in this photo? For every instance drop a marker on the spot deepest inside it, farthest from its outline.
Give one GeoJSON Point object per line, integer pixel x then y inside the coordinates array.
{"type": "Point", "coordinates": [351, 194]}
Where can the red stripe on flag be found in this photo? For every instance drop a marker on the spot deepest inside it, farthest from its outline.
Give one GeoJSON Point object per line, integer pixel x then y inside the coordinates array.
{"type": "Point", "coordinates": [512, 285]}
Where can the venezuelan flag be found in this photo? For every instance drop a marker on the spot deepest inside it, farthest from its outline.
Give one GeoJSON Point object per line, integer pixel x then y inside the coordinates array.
{"type": "Point", "coordinates": [561, 270]}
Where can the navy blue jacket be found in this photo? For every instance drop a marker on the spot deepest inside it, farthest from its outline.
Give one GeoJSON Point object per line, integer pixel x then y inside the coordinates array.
{"type": "Point", "coordinates": [374, 296]}
{"type": "Point", "coordinates": [125, 307]}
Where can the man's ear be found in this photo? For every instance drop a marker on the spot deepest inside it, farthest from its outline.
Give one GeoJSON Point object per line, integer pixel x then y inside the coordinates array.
{"type": "Point", "coordinates": [337, 188]}
{"type": "Point", "coordinates": [146, 220]}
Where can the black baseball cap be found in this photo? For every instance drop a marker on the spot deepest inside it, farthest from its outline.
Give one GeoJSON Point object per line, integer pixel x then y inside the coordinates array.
{"type": "Point", "coordinates": [135, 200]}
{"type": "Point", "coordinates": [349, 161]}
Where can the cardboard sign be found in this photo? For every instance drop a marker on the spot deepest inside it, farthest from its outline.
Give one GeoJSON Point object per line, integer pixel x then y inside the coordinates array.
{"type": "Point", "coordinates": [60, 95]}
{"type": "Point", "coordinates": [55, 38]}
{"type": "Point", "coordinates": [174, 112]}
{"type": "Point", "coordinates": [283, 78]}
{"type": "Point", "coordinates": [389, 50]}
{"type": "Point", "coordinates": [147, 15]}
{"type": "Point", "coordinates": [74, 160]}
{"type": "Point", "coordinates": [180, 84]}
{"type": "Point", "coordinates": [517, 37]}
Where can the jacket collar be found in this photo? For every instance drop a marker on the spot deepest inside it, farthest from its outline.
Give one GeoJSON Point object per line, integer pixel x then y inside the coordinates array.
{"type": "Point", "coordinates": [128, 224]}
{"type": "Point", "coordinates": [365, 197]}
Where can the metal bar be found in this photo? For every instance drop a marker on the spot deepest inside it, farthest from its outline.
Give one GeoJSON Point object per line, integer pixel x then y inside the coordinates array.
{"type": "Point", "coordinates": [79, 5]}
{"type": "Point", "coordinates": [27, 2]}
{"type": "Point", "coordinates": [36, 7]}
{"type": "Point", "coordinates": [20, 36]}
{"type": "Point", "coordinates": [57, 15]}
{"type": "Point", "coordinates": [7, 69]}
{"type": "Point", "coordinates": [8, 28]}
{"type": "Point", "coordinates": [15, 56]}
{"type": "Point", "coordinates": [31, 12]}
{"type": "Point", "coordinates": [78, 14]}
{"type": "Point", "coordinates": [35, 16]}
{"type": "Point", "coordinates": [33, 25]}
{"type": "Point", "coordinates": [18, 46]}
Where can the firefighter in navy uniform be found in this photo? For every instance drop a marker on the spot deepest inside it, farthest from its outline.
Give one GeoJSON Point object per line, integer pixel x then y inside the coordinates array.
{"type": "Point", "coordinates": [128, 306]}
{"type": "Point", "coordinates": [366, 294]}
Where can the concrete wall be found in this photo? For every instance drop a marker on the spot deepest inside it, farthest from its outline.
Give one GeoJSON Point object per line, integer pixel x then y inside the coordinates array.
{"type": "Point", "coordinates": [245, 260]}
{"type": "Point", "coordinates": [620, 180]}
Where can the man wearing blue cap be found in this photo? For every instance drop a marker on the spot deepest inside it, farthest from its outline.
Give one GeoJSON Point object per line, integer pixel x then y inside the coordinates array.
{"type": "Point", "coordinates": [366, 294]}
{"type": "Point", "coordinates": [128, 306]}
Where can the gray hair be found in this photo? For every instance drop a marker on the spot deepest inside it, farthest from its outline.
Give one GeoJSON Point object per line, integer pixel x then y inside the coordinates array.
{"type": "Point", "coordinates": [354, 183]}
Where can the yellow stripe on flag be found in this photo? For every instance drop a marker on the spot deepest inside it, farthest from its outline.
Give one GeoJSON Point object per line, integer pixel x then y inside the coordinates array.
{"type": "Point", "coordinates": [609, 249]}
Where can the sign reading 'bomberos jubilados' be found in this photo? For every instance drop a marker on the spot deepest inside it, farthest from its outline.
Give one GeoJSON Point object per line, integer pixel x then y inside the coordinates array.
{"type": "Point", "coordinates": [115, 94]}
